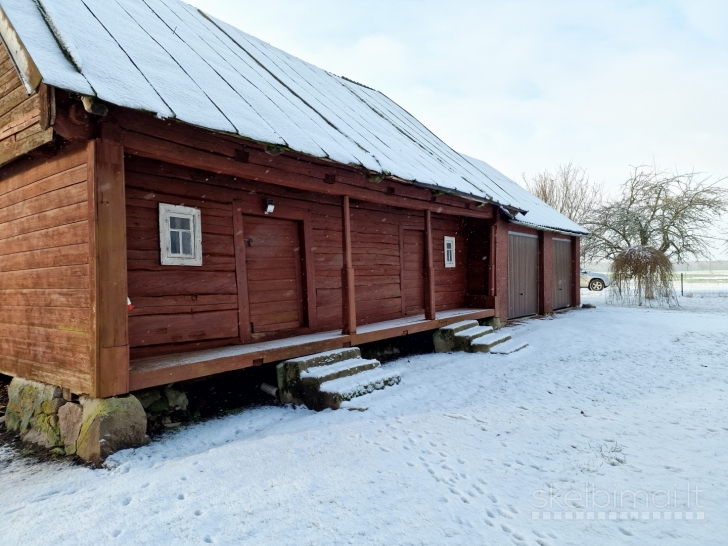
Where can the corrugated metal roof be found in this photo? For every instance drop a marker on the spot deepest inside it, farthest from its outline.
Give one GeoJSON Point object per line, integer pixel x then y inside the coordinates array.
{"type": "Point", "coordinates": [168, 58]}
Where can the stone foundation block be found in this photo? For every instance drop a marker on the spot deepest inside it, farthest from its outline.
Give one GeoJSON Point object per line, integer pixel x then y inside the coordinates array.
{"type": "Point", "coordinates": [110, 425]}
{"type": "Point", "coordinates": [93, 429]}
{"type": "Point", "coordinates": [33, 412]}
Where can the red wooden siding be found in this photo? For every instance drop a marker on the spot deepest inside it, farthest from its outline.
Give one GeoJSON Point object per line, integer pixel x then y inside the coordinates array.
{"type": "Point", "coordinates": [414, 271]}
{"type": "Point", "coordinates": [186, 308]}
{"type": "Point", "coordinates": [45, 315]}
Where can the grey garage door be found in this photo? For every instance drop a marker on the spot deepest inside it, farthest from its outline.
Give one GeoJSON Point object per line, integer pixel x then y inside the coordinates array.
{"type": "Point", "coordinates": [562, 273]}
{"type": "Point", "coordinates": [522, 275]}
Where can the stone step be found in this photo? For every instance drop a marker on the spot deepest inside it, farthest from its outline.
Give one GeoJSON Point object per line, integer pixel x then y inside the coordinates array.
{"type": "Point", "coordinates": [325, 358]}
{"type": "Point", "coordinates": [485, 343]}
{"type": "Point", "coordinates": [460, 326]}
{"type": "Point", "coordinates": [509, 347]}
{"type": "Point", "coordinates": [464, 338]}
{"type": "Point", "coordinates": [333, 393]}
{"type": "Point", "coordinates": [444, 338]}
{"type": "Point", "coordinates": [313, 377]}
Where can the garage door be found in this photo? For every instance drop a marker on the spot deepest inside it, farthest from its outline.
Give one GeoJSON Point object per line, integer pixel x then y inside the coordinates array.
{"type": "Point", "coordinates": [522, 275]}
{"type": "Point", "coordinates": [273, 262]}
{"type": "Point", "coordinates": [562, 273]}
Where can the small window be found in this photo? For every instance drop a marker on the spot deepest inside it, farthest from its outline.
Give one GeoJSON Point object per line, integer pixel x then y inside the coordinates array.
{"type": "Point", "coordinates": [449, 251]}
{"type": "Point", "coordinates": [180, 235]}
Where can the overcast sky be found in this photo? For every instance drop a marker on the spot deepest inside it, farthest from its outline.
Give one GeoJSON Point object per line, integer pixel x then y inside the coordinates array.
{"type": "Point", "coordinates": [527, 85]}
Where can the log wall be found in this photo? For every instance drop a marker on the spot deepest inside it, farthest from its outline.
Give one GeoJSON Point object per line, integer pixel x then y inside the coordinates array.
{"type": "Point", "coordinates": [186, 308]}
{"type": "Point", "coordinates": [24, 120]}
{"type": "Point", "coordinates": [45, 315]}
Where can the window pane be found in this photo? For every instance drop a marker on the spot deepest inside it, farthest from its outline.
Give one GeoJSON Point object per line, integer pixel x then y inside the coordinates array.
{"type": "Point", "coordinates": [174, 248]}
{"type": "Point", "coordinates": [187, 243]}
{"type": "Point", "coordinates": [175, 222]}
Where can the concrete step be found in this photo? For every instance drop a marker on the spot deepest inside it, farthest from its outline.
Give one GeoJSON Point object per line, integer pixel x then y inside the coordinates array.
{"type": "Point", "coordinates": [325, 358]}
{"type": "Point", "coordinates": [509, 347]}
{"type": "Point", "coordinates": [464, 338]}
{"type": "Point", "coordinates": [333, 393]}
{"type": "Point", "coordinates": [444, 338]}
{"type": "Point", "coordinates": [485, 343]}
{"type": "Point", "coordinates": [313, 377]}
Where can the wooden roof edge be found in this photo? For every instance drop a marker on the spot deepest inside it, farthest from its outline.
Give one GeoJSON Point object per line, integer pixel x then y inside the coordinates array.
{"type": "Point", "coordinates": [24, 64]}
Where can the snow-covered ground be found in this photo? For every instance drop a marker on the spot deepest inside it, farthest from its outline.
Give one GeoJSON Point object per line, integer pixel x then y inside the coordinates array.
{"type": "Point", "coordinates": [604, 404]}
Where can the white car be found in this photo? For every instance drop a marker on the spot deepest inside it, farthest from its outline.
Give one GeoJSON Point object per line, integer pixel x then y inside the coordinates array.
{"type": "Point", "coordinates": [595, 282]}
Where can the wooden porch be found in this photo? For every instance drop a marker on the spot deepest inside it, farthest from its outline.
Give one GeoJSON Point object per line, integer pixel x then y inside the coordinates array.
{"type": "Point", "coordinates": [155, 371]}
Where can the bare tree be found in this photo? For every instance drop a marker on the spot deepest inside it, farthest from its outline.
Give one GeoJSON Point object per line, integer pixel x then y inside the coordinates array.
{"type": "Point", "coordinates": [568, 190]}
{"type": "Point", "coordinates": [669, 211]}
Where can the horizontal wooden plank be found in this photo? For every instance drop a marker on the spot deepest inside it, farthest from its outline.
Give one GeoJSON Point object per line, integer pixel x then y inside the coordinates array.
{"type": "Point", "coordinates": [175, 283]}
{"type": "Point", "coordinates": [46, 258]}
{"type": "Point", "coordinates": [74, 357]}
{"type": "Point", "coordinates": [61, 236]}
{"type": "Point", "coordinates": [76, 380]}
{"type": "Point", "coordinates": [52, 278]}
{"type": "Point", "coordinates": [37, 334]}
{"type": "Point", "coordinates": [24, 173]}
{"type": "Point", "coordinates": [45, 298]}
{"type": "Point", "coordinates": [57, 217]}
{"type": "Point", "coordinates": [158, 330]}
{"type": "Point", "coordinates": [179, 310]}
{"type": "Point", "coordinates": [58, 181]}
{"type": "Point", "coordinates": [60, 318]}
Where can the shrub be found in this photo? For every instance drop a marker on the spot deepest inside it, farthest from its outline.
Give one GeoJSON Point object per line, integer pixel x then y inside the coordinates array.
{"type": "Point", "coordinates": [642, 275]}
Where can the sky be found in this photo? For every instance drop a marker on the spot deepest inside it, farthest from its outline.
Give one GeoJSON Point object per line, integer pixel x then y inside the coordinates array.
{"type": "Point", "coordinates": [528, 85]}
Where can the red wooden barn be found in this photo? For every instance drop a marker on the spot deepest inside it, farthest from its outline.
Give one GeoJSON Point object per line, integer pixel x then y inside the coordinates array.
{"type": "Point", "coordinates": [250, 206]}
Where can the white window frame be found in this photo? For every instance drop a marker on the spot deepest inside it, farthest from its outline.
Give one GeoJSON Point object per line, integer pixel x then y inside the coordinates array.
{"type": "Point", "coordinates": [165, 238]}
{"type": "Point", "coordinates": [449, 263]}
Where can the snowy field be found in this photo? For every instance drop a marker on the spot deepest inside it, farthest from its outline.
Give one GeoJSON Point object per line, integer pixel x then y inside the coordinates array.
{"type": "Point", "coordinates": [549, 446]}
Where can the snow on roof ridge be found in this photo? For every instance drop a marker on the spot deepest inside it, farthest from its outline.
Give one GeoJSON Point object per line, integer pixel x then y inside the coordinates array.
{"type": "Point", "coordinates": [173, 60]}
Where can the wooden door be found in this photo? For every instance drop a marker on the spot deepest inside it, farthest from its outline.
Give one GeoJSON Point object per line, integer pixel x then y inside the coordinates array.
{"type": "Point", "coordinates": [562, 273]}
{"type": "Point", "coordinates": [522, 275]}
{"type": "Point", "coordinates": [413, 279]}
{"type": "Point", "coordinates": [273, 265]}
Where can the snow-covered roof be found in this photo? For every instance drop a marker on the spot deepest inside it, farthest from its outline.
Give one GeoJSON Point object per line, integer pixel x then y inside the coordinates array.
{"type": "Point", "coordinates": [539, 215]}
{"type": "Point", "coordinates": [169, 58]}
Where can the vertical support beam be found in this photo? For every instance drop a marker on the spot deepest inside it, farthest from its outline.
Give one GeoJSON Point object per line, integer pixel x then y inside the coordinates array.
{"type": "Point", "coordinates": [545, 273]}
{"type": "Point", "coordinates": [348, 292]}
{"type": "Point", "coordinates": [492, 261]}
{"type": "Point", "coordinates": [309, 271]}
{"type": "Point", "coordinates": [241, 273]}
{"type": "Point", "coordinates": [401, 268]}
{"type": "Point", "coordinates": [430, 309]}
{"type": "Point", "coordinates": [501, 270]}
{"type": "Point", "coordinates": [107, 238]}
{"type": "Point", "coordinates": [576, 271]}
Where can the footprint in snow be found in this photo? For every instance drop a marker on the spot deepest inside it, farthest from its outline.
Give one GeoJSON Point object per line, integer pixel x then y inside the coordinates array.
{"type": "Point", "coordinates": [198, 512]}
{"type": "Point", "coordinates": [126, 501]}
{"type": "Point", "coordinates": [181, 496]}
{"type": "Point", "coordinates": [493, 498]}
{"type": "Point", "coordinates": [626, 532]}
{"type": "Point", "coordinates": [115, 533]}
{"type": "Point", "coordinates": [503, 513]}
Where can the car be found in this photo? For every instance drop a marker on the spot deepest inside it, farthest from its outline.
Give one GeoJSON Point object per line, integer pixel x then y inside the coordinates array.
{"type": "Point", "coordinates": [596, 282]}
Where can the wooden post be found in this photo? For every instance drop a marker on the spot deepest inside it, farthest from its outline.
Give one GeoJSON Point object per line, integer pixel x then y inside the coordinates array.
{"type": "Point", "coordinates": [401, 269]}
{"type": "Point", "coordinates": [348, 292]}
{"type": "Point", "coordinates": [545, 273]}
{"type": "Point", "coordinates": [576, 271]}
{"type": "Point", "coordinates": [492, 261]}
{"type": "Point", "coordinates": [107, 226]}
{"type": "Point", "coordinates": [430, 266]}
{"type": "Point", "coordinates": [241, 274]}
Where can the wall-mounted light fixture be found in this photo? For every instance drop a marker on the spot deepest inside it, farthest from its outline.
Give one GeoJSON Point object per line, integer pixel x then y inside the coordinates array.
{"type": "Point", "coordinates": [270, 206]}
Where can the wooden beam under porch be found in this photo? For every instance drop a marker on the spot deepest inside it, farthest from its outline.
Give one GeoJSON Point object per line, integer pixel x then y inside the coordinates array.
{"type": "Point", "coordinates": [162, 370]}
